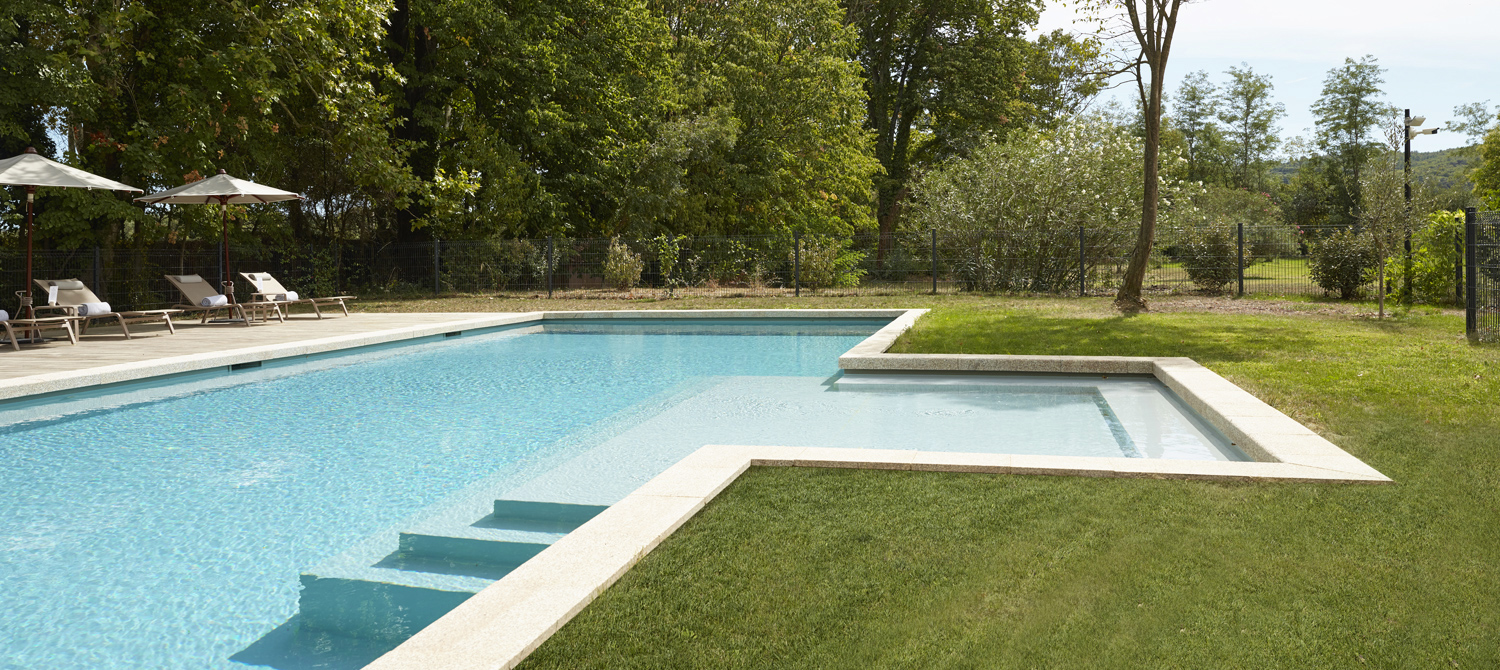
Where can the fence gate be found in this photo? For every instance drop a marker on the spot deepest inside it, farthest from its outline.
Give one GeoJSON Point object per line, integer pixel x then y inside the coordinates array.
{"type": "Point", "coordinates": [1482, 275]}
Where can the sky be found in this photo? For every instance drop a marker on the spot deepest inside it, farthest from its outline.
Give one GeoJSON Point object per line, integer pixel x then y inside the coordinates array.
{"type": "Point", "coordinates": [1438, 54]}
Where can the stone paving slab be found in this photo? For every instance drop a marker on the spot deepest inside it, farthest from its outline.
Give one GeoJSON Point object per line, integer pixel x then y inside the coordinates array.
{"type": "Point", "coordinates": [105, 357]}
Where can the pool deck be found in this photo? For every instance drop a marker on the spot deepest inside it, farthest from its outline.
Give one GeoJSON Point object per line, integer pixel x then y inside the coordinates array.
{"type": "Point", "coordinates": [103, 356]}
{"type": "Point", "coordinates": [104, 346]}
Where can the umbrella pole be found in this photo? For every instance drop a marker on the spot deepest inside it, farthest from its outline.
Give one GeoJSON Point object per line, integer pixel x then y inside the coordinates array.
{"type": "Point", "coordinates": [27, 308]}
{"type": "Point", "coordinates": [224, 258]}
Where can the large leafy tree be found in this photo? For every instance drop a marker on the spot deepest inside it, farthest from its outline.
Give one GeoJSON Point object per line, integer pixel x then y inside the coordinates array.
{"type": "Point", "coordinates": [522, 116]}
{"type": "Point", "coordinates": [1486, 176]}
{"type": "Point", "coordinates": [1249, 116]}
{"type": "Point", "coordinates": [765, 135]}
{"type": "Point", "coordinates": [1195, 111]}
{"type": "Point", "coordinates": [941, 75]}
{"type": "Point", "coordinates": [1348, 114]}
{"type": "Point", "coordinates": [156, 93]}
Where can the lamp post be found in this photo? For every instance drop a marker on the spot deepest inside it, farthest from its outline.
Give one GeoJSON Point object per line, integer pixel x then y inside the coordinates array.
{"type": "Point", "coordinates": [1412, 130]}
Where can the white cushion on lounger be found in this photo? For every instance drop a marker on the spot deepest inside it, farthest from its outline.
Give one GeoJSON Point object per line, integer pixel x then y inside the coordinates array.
{"type": "Point", "coordinates": [187, 279]}
{"type": "Point", "coordinates": [68, 284]}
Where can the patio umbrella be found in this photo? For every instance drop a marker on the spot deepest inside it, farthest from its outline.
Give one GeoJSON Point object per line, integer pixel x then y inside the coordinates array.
{"type": "Point", "coordinates": [226, 191]}
{"type": "Point", "coordinates": [31, 170]}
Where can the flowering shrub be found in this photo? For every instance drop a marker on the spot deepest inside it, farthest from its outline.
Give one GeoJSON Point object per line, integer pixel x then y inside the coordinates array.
{"type": "Point", "coordinates": [1009, 214]}
{"type": "Point", "coordinates": [622, 267]}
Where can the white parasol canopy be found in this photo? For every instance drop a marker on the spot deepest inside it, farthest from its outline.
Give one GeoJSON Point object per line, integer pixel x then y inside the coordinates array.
{"type": "Point", "coordinates": [219, 189]}
{"type": "Point", "coordinates": [224, 190]}
{"type": "Point", "coordinates": [31, 170]}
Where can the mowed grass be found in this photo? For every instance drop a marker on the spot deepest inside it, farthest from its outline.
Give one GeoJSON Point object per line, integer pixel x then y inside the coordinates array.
{"type": "Point", "coordinates": [1281, 276]}
{"type": "Point", "coordinates": [807, 568]}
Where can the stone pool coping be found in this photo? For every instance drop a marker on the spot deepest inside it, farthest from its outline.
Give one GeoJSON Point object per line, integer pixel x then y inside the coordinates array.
{"type": "Point", "coordinates": [501, 625]}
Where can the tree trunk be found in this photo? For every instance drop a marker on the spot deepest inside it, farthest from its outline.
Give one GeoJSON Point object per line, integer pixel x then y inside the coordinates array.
{"type": "Point", "coordinates": [1154, 35]}
{"type": "Point", "coordinates": [410, 49]}
{"type": "Point", "coordinates": [1129, 298]}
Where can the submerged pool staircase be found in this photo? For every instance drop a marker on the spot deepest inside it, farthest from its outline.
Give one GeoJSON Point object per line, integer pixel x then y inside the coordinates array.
{"type": "Point", "coordinates": [370, 599]}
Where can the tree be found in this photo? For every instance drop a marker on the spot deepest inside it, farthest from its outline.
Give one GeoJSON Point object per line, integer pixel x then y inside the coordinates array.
{"type": "Point", "coordinates": [1474, 120]}
{"type": "Point", "coordinates": [1010, 212]}
{"type": "Point", "coordinates": [1385, 213]}
{"type": "Point", "coordinates": [1347, 115]}
{"type": "Point", "coordinates": [1195, 111]}
{"type": "Point", "coordinates": [1486, 177]}
{"type": "Point", "coordinates": [1146, 29]}
{"type": "Point", "coordinates": [154, 94]}
{"type": "Point", "coordinates": [767, 135]}
{"type": "Point", "coordinates": [523, 118]}
{"type": "Point", "coordinates": [1249, 119]}
{"type": "Point", "coordinates": [940, 75]}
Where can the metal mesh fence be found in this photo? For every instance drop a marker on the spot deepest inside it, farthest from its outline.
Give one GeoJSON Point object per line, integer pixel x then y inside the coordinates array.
{"type": "Point", "coordinates": [1485, 303]}
{"type": "Point", "coordinates": [1229, 260]}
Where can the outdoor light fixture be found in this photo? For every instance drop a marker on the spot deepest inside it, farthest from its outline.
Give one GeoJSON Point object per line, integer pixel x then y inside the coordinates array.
{"type": "Point", "coordinates": [1412, 130]}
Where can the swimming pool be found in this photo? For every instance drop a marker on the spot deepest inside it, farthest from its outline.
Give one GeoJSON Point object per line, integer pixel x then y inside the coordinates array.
{"type": "Point", "coordinates": [165, 524]}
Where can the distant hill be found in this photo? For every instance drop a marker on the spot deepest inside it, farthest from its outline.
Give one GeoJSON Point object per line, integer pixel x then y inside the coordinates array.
{"type": "Point", "coordinates": [1440, 169]}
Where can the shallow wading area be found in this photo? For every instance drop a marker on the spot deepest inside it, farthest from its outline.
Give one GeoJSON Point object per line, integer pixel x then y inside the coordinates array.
{"type": "Point", "coordinates": [793, 567]}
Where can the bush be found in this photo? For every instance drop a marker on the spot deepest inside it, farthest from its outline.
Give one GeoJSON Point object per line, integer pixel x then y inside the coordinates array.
{"type": "Point", "coordinates": [1343, 263]}
{"type": "Point", "coordinates": [1008, 214]}
{"type": "Point", "coordinates": [828, 263]}
{"type": "Point", "coordinates": [1210, 256]}
{"type": "Point", "coordinates": [492, 265]}
{"type": "Point", "coordinates": [622, 267]}
{"type": "Point", "coordinates": [1433, 257]}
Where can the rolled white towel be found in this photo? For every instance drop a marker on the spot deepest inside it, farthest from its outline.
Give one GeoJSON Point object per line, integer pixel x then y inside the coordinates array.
{"type": "Point", "coordinates": [93, 308]}
{"type": "Point", "coordinates": [214, 301]}
{"type": "Point", "coordinates": [4, 315]}
{"type": "Point", "coordinates": [289, 296]}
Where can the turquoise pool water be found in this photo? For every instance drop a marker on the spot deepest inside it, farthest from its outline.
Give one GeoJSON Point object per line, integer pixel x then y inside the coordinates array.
{"type": "Point", "coordinates": [164, 525]}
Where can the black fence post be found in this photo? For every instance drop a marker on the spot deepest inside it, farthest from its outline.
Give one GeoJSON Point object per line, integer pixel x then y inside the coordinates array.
{"type": "Point", "coordinates": [1471, 273]}
{"type": "Point", "coordinates": [437, 266]}
{"type": "Point", "coordinates": [934, 261]}
{"type": "Point", "coordinates": [1239, 269]}
{"type": "Point", "coordinates": [1083, 271]}
{"type": "Point", "coordinates": [549, 266]}
{"type": "Point", "coordinates": [796, 264]}
{"type": "Point", "coordinates": [1458, 266]}
{"type": "Point", "coordinates": [98, 274]}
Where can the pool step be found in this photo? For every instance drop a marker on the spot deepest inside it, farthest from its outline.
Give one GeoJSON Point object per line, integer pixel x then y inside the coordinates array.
{"type": "Point", "coordinates": [390, 595]}
{"type": "Point", "coordinates": [490, 559]}
{"type": "Point", "coordinates": [539, 517]}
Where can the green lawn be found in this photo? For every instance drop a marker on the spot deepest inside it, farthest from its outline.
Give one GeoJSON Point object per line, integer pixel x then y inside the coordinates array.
{"type": "Point", "coordinates": [1282, 276]}
{"type": "Point", "coordinates": [843, 568]}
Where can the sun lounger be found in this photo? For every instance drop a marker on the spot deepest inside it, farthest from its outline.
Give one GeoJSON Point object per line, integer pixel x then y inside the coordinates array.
{"type": "Point", "coordinates": [267, 288]}
{"type": "Point", "coordinates": [73, 298]}
{"type": "Point", "coordinates": [202, 298]}
{"type": "Point", "coordinates": [36, 325]}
